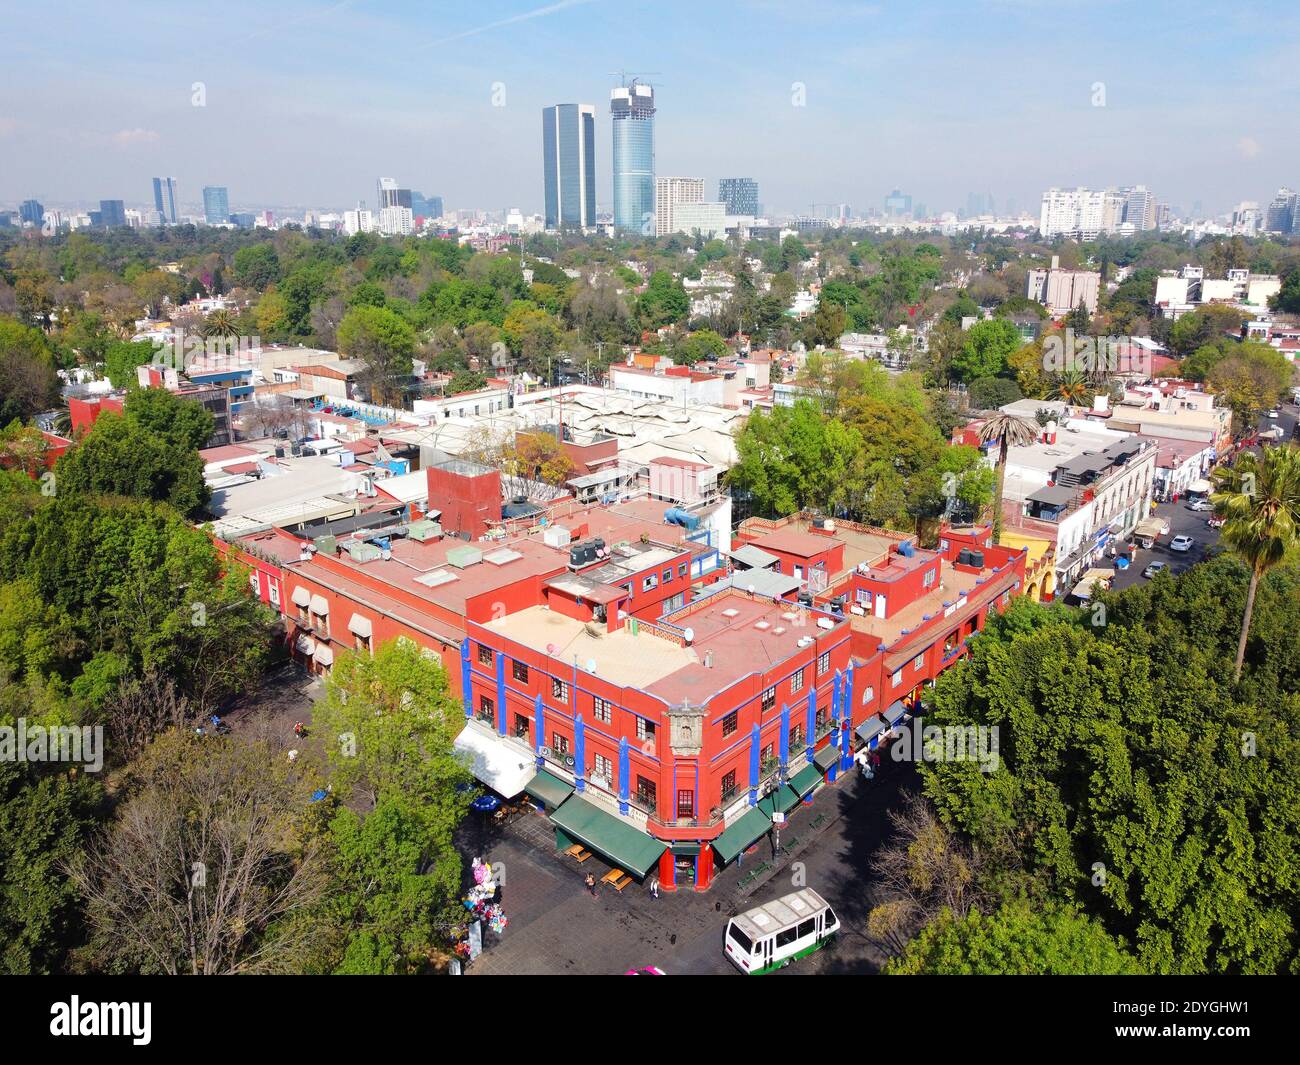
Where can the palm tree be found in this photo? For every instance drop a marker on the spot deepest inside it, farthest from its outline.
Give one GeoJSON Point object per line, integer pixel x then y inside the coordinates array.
{"type": "Point", "coordinates": [220, 323]}
{"type": "Point", "coordinates": [1072, 387]}
{"type": "Point", "coordinates": [1008, 430]}
{"type": "Point", "coordinates": [1259, 499]}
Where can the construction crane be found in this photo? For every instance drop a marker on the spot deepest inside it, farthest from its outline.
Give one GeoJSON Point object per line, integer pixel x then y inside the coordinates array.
{"type": "Point", "coordinates": [623, 75]}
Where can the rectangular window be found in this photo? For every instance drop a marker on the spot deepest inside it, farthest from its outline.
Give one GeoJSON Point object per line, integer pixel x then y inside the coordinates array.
{"type": "Point", "coordinates": [796, 682]}
{"type": "Point", "coordinates": [798, 573]}
{"type": "Point", "coordinates": [668, 575]}
{"type": "Point", "coordinates": [928, 580]}
{"type": "Point", "coordinates": [646, 793]}
{"type": "Point", "coordinates": [730, 723]}
{"type": "Point", "coordinates": [823, 662]}
{"type": "Point", "coordinates": [519, 671]}
{"type": "Point", "coordinates": [485, 657]}
{"type": "Point", "coordinates": [602, 710]}
{"type": "Point", "coordinates": [896, 679]}
{"type": "Point", "coordinates": [868, 693]}
{"type": "Point", "coordinates": [559, 690]}
{"type": "Point", "coordinates": [559, 744]}
{"type": "Point", "coordinates": [863, 596]}
{"type": "Point", "coordinates": [807, 928]}
{"type": "Point", "coordinates": [769, 699]}
{"type": "Point", "coordinates": [648, 582]}
{"type": "Point", "coordinates": [486, 709]}
{"type": "Point", "coordinates": [796, 735]}
{"type": "Point", "coordinates": [363, 644]}
{"type": "Point", "coordinates": [273, 592]}
{"type": "Point", "coordinates": [918, 663]}
{"type": "Point", "coordinates": [681, 570]}
{"type": "Point", "coordinates": [645, 730]}
{"type": "Point", "coordinates": [603, 767]}
{"type": "Point", "coordinates": [728, 785]}
{"type": "Point", "coordinates": [521, 726]}
{"type": "Point", "coordinates": [685, 805]}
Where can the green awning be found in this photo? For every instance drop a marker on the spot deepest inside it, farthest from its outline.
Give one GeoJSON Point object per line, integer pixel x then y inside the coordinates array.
{"type": "Point", "coordinates": [613, 839]}
{"type": "Point", "coordinates": [743, 832]}
{"type": "Point", "coordinates": [685, 850]}
{"type": "Point", "coordinates": [826, 757]}
{"type": "Point", "coordinates": [806, 779]}
{"type": "Point", "coordinates": [785, 798]}
{"type": "Point", "coordinates": [548, 789]}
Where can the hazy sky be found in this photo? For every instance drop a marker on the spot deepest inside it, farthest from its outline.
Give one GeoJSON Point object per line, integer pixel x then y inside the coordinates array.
{"type": "Point", "coordinates": [308, 102]}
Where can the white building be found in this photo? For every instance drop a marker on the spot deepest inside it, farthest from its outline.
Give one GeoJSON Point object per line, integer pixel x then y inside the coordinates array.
{"type": "Point", "coordinates": [707, 219]}
{"type": "Point", "coordinates": [396, 221]}
{"type": "Point", "coordinates": [358, 221]}
{"type": "Point", "coordinates": [669, 192]}
{"type": "Point", "coordinates": [1061, 291]}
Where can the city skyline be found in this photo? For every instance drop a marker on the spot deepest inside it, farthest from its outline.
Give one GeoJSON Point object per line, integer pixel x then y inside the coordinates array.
{"type": "Point", "coordinates": [947, 129]}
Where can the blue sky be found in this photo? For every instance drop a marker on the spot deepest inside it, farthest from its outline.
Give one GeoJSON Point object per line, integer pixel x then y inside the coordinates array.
{"type": "Point", "coordinates": [308, 102]}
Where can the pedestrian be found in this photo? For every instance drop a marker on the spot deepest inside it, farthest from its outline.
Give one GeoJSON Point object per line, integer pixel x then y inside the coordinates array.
{"type": "Point", "coordinates": [654, 887]}
{"type": "Point", "coordinates": [591, 884]}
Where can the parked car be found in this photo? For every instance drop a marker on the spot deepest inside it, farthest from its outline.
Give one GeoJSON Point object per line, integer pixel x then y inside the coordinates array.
{"type": "Point", "coordinates": [1200, 505]}
{"type": "Point", "coordinates": [1181, 543]}
{"type": "Point", "coordinates": [1273, 413]}
{"type": "Point", "coordinates": [1152, 569]}
{"type": "Point", "coordinates": [1214, 522]}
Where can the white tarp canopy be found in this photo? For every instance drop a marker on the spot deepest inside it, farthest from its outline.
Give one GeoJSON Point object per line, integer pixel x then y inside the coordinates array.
{"type": "Point", "coordinates": [301, 596]}
{"type": "Point", "coordinates": [1200, 485]}
{"type": "Point", "coordinates": [500, 765]}
{"type": "Point", "coordinates": [360, 625]}
{"type": "Point", "coordinates": [305, 645]}
{"type": "Point", "coordinates": [319, 605]}
{"type": "Point", "coordinates": [324, 654]}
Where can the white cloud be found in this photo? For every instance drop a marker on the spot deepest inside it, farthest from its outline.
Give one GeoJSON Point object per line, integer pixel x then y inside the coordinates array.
{"type": "Point", "coordinates": [127, 138]}
{"type": "Point", "coordinates": [1248, 146]}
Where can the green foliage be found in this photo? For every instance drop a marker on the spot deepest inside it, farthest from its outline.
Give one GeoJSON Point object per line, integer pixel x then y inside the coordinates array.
{"type": "Point", "coordinates": [986, 349]}
{"type": "Point", "coordinates": [256, 266]}
{"type": "Point", "coordinates": [28, 382]}
{"type": "Point", "coordinates": [664, 301]}
{"type": "Point", "coordinates": [1018, 939]}
{"type": "Point", "coordinates": [989, 393]}
{"type": "Point", "coordinates": [702, 344]}
{"type": "Point", "coordinates": [120, 457]}
{"type": "Point", "coordinates": [184, 424]}
{"type": "Point", "coordinates": [122, 357]}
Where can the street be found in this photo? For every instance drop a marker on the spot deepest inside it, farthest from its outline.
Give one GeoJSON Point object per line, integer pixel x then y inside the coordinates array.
{"type": "Point", "coordinates": [1189, 523]}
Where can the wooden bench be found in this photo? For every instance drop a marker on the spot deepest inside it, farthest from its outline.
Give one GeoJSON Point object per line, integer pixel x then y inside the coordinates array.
{"type": "Point", "coordinates": [611, 876]}
{"type": "Point", "coordinates": [579, 852]}
{"type": "Point", "coordinates": [619, 885]}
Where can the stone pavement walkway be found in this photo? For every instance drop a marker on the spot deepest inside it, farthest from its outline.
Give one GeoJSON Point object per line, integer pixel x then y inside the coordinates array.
{"type": "Point", "coordinates": [555, 926]}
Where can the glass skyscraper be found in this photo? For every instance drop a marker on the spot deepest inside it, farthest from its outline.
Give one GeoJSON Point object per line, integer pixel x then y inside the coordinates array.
{"type": "Point", "coordinates": [740, 194]}
{"type": "Point", "coordinates": [216, 205]}
{"type": "Point", "coordinates": [569, 165]}
{"type": "Point", "coordinates": [164, 198]}
{"type": "Point", "coordinates": [633, 110]}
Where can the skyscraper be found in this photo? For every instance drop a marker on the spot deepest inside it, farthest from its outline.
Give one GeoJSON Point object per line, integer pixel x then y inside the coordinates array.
{"type": "Point", "coordinates": [569, 165]}
{"type": "Point", "coordinates": [216, 205]}
{"type": "Point", "coordinates": [633, 110]}
{"type": "Point", "coordinates": [31, 212]}
{"type": "Point", "coordinates": [164, 198]}
{"type": "Point", "coordinates": [392, 196]}
{"type": "Point", "coordinates": [1283, 214]}
{"type": "Point", "coordinates": [740, 194]}
{"type": "Point", "coordinates": [112, 213]}
{"type": "Point", "coordinates": [423, 206]}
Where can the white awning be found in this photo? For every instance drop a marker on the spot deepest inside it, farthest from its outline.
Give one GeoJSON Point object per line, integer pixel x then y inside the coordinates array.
{"type": "Point", "coordinates": [319, 605]}
{"type": "Point", "coordinates": [1200, 485]}
{"type": "Point", "coordinates": [360, 625]}
{"type": "Point", "coordinates": [305, 645]}
{"type": "Point", "coordinates": [324, 655]}
{"type": "Point", "coordinates": [301, 596]}
{"type": "Point", "coordinates": [502, 766]}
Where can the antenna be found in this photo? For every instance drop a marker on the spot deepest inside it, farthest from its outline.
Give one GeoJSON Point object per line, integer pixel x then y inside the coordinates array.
{"type": "Point", "coordinates": [623, 75]}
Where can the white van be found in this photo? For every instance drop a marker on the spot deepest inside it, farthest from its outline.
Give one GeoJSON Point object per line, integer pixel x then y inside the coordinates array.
{"type": "Point", "coordinates": [774, 934]}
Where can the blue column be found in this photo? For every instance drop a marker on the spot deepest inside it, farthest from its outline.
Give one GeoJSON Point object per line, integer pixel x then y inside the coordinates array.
{"type": "Point", "coordinates": [785, 741]}
{"type": "Point", "coordinates": [833, 771]}
{"type": "Point", "coordinates": [501, 694]}
{"type": "Point", "coordinates": [810, 733]}
{"type": "Point", "coordinates": [539, 730]}
{"type": "Point", "coordinates": [579, 754]}
{"type": "Point", "coordinates": [846, 729]}
{"type": "Point", "coordinates": [466, 687]}
{"type": "Point", "coordinates": [624, 771]}
{"type": "Point", "coordinates": [753, 766]}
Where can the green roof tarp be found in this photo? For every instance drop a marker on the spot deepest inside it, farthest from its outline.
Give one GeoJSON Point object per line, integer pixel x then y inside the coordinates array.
{"type": "Point", "coordinates": [548, 789]}
{"type": "Point", "coordinates": [785, 798]}
{"type": "Point", "coordinates": [615, 840]}
{"type": "Point", "coordinates": [826, 757]}
{"type": "Point", "coordinates": [745, 830]}
{"type": "Point", "coordinates": [685, 850]}
{"type": "Point", "coordinates": [806, 779]}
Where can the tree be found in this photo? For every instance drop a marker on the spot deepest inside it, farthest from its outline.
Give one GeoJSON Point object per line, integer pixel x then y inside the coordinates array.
{"type": "Point", "coordinates": [384, 342]}
{"type": "Point", "coordinates": [1009, 431]}
{"type": "Point", "coordinates": [538, 458]}
{"type": "Point", "coordinates": [1259, 500]}
{"type": "Point", "coordinates": [28, 381]}
{"type": "Point", "coordinates": [123, 357]}
{"type": "Point", "coordinates": [986, 349]}
{"type": "Point", "coordinates": [702, 344]}
{"type": "Point", "coordinates": [1016, 939]}
{"type": "Point", "coordinates": [183, 423]}
{"type": "Point", "coordinates": [398, 712]}
{"type": "Point", "coordinates": [256, 266]}
{"type": "Point", "coordinates": [208, 864]}
{"type": "Point", "coordinates": [120, 457]}
{"type": "Point", "coordinates": [989, 393]}
{"type": "Point", "coordinates": [663, 302]}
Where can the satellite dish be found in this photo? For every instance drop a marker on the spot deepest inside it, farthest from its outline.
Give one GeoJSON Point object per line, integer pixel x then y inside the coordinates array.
{"type": "Point", "coordinates": [689, 634]}
{"type": "Point", "coordinates": [750, 589]}
{"type": "Point", "coordinates": [591, 665]}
